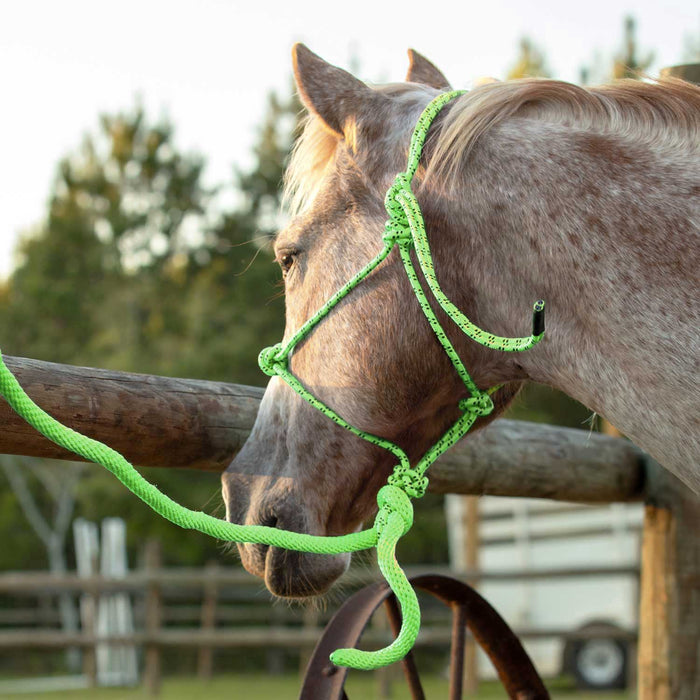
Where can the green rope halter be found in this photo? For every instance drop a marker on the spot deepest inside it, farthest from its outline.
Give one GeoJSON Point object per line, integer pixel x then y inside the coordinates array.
{"type": "Point", "coordinates": [405, 229]}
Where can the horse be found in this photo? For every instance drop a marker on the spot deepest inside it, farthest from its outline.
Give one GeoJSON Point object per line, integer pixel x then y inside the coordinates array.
{"type": "Point", "coordinates": [587, 198]}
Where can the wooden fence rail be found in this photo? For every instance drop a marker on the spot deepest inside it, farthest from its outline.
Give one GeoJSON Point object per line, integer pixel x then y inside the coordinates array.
{"type": "Point", "coordinates": [292, 632]}
{"type": "Point", "coordinates": [176, 423]}
{"type": "Point", "coordinates": [291, 638]}
{"type": "Point", "coordinates": [22, 583]}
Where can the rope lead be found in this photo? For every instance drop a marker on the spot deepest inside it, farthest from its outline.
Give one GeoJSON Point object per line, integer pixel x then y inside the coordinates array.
{"type": "Point", "coordinates": [406, 228]}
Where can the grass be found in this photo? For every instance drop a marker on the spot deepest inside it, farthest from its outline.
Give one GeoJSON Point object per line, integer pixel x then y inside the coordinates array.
{"type": "Point", "coordinates": [265, 687]}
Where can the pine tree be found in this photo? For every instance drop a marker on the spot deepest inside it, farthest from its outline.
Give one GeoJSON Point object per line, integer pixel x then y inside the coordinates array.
{"type": "Point", "coordinates": [101, 283]}
{"type": "Point", "coordinates": [691, 48]}
{"type": "Point", "coordinates": [530, 62]}
{"type": "Point", "coordinates": [235, 306]}
{"type": "Point", "coordinates": [116, 222]}
{"type": "Point", "coordinates": [627, 64]}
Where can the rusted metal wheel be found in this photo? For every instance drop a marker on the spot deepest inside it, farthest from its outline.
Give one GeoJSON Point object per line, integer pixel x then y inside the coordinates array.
{"type": "Point", "coordinates": [324, 681]}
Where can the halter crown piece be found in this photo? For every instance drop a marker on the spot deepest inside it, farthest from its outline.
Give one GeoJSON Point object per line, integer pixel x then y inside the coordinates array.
{"type": "Point", "coordinates": [405, 228]}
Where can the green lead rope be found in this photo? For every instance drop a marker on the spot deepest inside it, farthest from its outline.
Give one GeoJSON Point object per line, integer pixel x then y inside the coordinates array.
{"type": "Point", "coordinates": [405, 229]}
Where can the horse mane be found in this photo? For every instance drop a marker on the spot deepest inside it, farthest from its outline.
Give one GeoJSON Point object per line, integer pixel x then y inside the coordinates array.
{"type": "Point", "coordinates": [664, 112]}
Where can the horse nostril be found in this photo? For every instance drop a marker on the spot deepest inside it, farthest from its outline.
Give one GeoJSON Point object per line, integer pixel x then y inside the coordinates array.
{"type": "Point", "coordinates": [268, 520]}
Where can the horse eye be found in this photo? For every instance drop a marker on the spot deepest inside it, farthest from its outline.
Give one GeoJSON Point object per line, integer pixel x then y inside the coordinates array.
{"type": "Point", "coordinates": [286, 260]}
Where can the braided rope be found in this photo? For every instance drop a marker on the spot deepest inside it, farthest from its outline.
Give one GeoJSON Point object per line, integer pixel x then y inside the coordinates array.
{"type": "Point", "coordinates": [405, 228]}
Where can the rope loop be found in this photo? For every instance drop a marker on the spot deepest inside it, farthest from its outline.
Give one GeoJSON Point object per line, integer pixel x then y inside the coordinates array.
{"type": "Point", "coordinates": [392, 499]}
{"type": "Point", "coordinates": [409, 480]}
{"type": "Point", "coordinates": [396, 234]}
{"type": "Point", "coordinates": [271, 360]}
{"type": "Point", "coordinates": [397, 229]}
{"type": "Point", "coordinates": [480, 405]}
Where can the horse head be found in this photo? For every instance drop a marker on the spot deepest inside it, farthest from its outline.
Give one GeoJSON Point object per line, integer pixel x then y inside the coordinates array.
{"type": "Point", "coordinates": [374, 358]}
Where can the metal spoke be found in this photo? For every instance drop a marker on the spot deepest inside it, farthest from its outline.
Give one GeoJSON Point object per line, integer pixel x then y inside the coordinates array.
{"type": "Point", "coordinates": [459, 628]}
{"type": "Point", "coordinates": [410, 670]}
{"type": "Point", "coordinates": [324, 681]}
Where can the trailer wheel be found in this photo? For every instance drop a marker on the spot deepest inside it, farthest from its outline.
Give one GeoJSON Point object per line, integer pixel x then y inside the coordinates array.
{"type": "Point", "coordinates": [599, 663]}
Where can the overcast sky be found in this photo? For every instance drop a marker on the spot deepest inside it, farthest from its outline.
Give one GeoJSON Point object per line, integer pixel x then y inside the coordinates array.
{"type": "Point", "coordinates": [209, 64]}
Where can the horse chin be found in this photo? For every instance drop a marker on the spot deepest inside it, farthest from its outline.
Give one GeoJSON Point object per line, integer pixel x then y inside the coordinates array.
{"type": "Point", "coordinates": [289, 574]}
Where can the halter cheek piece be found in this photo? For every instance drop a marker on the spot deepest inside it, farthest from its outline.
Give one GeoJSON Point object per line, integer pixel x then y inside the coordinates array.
{"type": "Point", "coordinates": [405, 228]}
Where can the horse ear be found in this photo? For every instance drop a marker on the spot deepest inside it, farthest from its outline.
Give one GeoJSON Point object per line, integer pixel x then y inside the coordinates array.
{"type": "Point", "coordinates": [421, 70]}
{"type": "Point", "coordinates": [328, 91]}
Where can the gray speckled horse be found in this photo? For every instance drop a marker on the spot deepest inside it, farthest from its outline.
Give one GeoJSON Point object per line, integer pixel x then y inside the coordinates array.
{"type": "Point", "coordinates": [530, 189]}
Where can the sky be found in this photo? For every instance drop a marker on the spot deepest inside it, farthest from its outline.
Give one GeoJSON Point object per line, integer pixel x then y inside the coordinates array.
{"type": "Point", "coordinates": [209, 64]}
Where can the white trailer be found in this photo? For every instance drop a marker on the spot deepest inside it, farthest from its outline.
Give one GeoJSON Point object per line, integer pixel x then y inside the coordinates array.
{"type": "Point", "coordinates": [531, 535]}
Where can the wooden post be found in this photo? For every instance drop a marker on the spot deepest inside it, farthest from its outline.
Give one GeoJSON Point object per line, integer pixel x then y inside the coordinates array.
{"type": "Point", "coordinates": [669, 621]}
{"type": "Point", "coordinates": [470, 534]}
{"type": "Point", "coordinates": [152, 668]}
{"type": "Point", "coordinates": [151, 420]}
{"type": "Point", "coordinates": [86, 540]}
{"type": "Point", "coordinates": [205, 657]}
{"type": "Point", "coordinates": [274, 658]}
{"type": "Point", "coordinates": [88, 610]}
{"type": "Point", "coordinates": [653, 672]}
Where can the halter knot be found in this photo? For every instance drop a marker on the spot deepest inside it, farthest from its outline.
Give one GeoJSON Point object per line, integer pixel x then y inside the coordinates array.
{"type": "Point", "coordinates": [409, 481]}
{"type": "Point", "coordinates": [271, 360]}
{"type": "Point", "coordinates": [391, 499]}
{"type": "Point", "coordinates": [397, 229]}
{"type": "Point", "coordinates": [481, 404]}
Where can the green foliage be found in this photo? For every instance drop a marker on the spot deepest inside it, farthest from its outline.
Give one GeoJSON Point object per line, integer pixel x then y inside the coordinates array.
{"type": "Point", "coordinates": [530, 62]}
{"type": "Point", "coordinates": [234, 303]}
{"type": "Point", "coordinates": [116, 223]}
{"type": "Point", "coordinates": [26, 551]}
{"type": "Point", "coordinates": [691, 50]}
{"type": "Point", "coordinates": [628, 63]}
{"type": "Point", "coordinates": [133, 270]}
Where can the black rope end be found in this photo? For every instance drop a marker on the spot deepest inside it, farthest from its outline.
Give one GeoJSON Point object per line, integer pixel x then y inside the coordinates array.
{"type": "Point", "coordinates": [538, 318]}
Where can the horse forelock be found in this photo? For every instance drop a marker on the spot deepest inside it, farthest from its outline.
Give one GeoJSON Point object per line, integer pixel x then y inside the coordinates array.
{"type": "Point", "coordinates": [313, 155]}
{"type": "Point", "coordinates": [664, 113]}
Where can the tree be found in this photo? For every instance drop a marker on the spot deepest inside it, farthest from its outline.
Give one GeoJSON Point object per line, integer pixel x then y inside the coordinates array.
{"type": "Point", "coordinates": [235, 305]}
{"type": "Point", "coordinates": [119, 206]}
{"type": "Point", "coordinates": [530, 62]}
{"type": "Point", "coordinates": [627, 63]}
{"type": "Point", "coordinates": [51, 529]}
{"type": "Point", "coordinates": [691, 50]}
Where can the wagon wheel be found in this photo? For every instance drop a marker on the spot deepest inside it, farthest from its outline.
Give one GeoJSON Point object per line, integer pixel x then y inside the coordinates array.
{"type": "Point", "coordinates": [324, 681]}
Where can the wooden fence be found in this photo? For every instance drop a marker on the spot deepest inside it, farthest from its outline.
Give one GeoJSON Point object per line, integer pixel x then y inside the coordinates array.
{"type": "Point", "coordinates": [164, 422]}
{"type": "Point", "coordinates": [218, 622]}
{"type": "Point", "coordinates": [186, 423]}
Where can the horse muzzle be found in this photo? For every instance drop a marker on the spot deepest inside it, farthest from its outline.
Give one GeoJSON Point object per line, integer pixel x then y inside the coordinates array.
{"type": "Point", "coordinates": [289, 574]}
